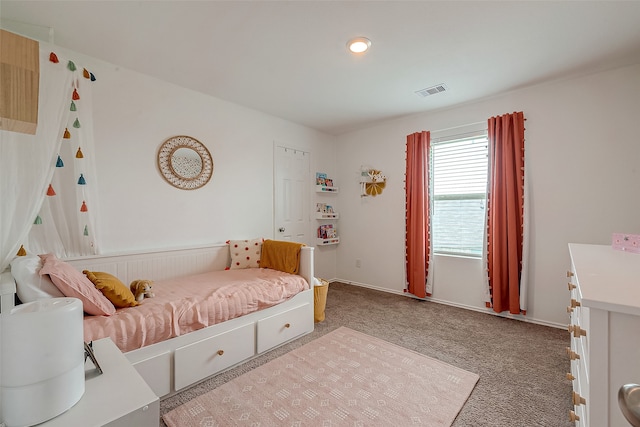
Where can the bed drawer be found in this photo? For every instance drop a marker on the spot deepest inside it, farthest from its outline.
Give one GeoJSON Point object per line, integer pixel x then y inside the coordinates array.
{"type": "Point", "coordinates": [204, 358]}
{"type": "Point", "coordinates": [282, 327]}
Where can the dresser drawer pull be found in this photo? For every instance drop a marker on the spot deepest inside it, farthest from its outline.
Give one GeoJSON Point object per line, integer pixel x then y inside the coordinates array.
{"type": "Point", "coordinates": [577, 399]}
{"type": "Point", "coordinates": [571, 286]}
{"type": "Point", "coordinates": [220, 352]}
{"type": "Point", "coordinates": [572, 354]}
{"type": "Point", "coordinates": [570, 274]}
{"type": "Point", "coordinates": [287, 325]}
{"type": "Point", "coordinates": [570, 377]}
{"type": "Point", "coordinates": [573, 417]}
{"type": "Point", "coordinates": [575, 303]}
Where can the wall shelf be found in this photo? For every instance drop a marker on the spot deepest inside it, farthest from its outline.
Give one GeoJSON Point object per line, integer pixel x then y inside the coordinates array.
{"type": "Point", "coordinates": [325, 189]}
{"type": "Point", "coordinates": [321, 215]}
{"type": "Point", "coordinates": [326, 242]}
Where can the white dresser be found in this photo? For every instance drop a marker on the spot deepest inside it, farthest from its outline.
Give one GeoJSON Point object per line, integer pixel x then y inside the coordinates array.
{"type": "Point", "coordinates": [604, 308]}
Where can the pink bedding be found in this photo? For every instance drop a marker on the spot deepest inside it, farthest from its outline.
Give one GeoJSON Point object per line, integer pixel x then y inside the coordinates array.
{"type": "Point", "coordinates": [189, 303]}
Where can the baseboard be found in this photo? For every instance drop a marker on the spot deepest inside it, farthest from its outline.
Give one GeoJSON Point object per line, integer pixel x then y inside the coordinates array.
{"type": "Point", "coordinates": [458, 305]}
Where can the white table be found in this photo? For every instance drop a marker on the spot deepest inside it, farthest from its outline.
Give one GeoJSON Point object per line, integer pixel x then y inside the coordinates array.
{"type": "Point", "coordinates": [118, 397]}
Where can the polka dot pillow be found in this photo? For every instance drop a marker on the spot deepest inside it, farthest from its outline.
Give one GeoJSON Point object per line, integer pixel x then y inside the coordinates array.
{"type": "Point", "coordinates": [245, 253]}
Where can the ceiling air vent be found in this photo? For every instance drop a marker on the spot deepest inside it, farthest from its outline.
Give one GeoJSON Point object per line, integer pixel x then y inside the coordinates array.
{"type": "Point", "coordinates": [431, 90]}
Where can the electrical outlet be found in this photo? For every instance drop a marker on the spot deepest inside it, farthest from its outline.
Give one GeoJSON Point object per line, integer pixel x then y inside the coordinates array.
{"type": "Point", "coordinates": [358, 262]}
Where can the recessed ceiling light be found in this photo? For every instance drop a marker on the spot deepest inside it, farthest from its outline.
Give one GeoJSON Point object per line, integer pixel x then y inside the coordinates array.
{"type": "Point", "coordinates": [359, 45]}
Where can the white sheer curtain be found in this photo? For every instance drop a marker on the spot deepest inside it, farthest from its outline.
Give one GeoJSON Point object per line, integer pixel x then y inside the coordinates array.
{"type": "Point", "coordinates": [28, 167]}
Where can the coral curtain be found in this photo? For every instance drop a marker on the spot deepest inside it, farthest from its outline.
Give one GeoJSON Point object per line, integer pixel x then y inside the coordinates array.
{"type": "Point", "coordinates": [28, 166]}
{"type": "Point", "coordinates": [418, 201]}
{"type": "Point", "coordinates": [506, 215]}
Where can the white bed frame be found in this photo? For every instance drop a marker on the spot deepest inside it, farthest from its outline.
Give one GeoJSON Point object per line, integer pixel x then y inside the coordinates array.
{"type": "Point", "coordinates": [172, 365]}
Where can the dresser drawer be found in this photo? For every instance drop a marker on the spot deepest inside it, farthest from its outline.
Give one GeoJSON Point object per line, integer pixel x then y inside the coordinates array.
{"type": "Point", "coordinates": [204, 358]}
{"type": "Point", "coordinates": [283, 327]}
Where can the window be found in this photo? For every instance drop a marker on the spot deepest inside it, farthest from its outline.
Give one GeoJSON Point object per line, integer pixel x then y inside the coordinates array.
{"type": "Point", "coordinates": [459, 177]}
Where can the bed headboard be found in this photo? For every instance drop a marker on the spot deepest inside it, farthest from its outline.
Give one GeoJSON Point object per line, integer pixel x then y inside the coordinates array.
{"type": "Point", "coordinates": [167, 264]}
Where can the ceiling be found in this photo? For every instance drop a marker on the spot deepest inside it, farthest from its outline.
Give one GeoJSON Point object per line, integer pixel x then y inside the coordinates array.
{"type": "Point", "coordinates": [289, 58]}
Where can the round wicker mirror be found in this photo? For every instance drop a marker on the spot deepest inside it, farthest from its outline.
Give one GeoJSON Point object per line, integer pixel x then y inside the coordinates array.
{"type": "Point", "coordinates": [185, 162]}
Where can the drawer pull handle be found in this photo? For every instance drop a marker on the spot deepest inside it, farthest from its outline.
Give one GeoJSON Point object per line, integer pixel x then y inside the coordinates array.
{"type": "Point", "coordinates": [577, 399]}
{"type": "Point", "coordinates": [287, 325]}
{"type": "Point", "coordinates": [570, 377]}
{"type": "Point", "coordinates": [571, 286]}
{"type": "Point", "coordinates": [573, 416]}
{"type": "Point", "coordinates": [577, 331]}
{"type": "Point", "coordinates": [575, 303]}
{"type": "Point", "coordinates": [572, 354]}
{"type": "Point", "coordinates": [570, 274]}
{"type": "Point", "coordinates": [220, 352]}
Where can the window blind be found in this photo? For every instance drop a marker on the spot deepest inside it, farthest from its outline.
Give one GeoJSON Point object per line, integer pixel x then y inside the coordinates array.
{"type": "Point", "coordinates": [459, 178]}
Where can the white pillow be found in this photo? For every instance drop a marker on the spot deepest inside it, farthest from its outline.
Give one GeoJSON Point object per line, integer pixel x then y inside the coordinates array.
{"type": "Point", "coordinates": [30, 286]}
{"type": "Point", "coordinates": [245, 253]}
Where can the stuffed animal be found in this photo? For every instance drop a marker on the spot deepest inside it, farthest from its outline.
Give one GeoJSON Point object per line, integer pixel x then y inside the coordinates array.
{"type": "Point", "coordinates": [141, 289]}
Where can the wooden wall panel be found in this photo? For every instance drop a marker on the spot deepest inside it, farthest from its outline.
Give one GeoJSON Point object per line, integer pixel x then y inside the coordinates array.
{"type": "Point", "coordinates": [19, 83]}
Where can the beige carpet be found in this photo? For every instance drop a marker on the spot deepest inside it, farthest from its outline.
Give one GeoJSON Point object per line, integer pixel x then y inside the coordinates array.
{"type": "Point", "coordinates": [342, 378]}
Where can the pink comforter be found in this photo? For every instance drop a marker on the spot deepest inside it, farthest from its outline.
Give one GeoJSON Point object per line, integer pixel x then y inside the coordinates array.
{"type": "Point", "coordinates": [194, 302]}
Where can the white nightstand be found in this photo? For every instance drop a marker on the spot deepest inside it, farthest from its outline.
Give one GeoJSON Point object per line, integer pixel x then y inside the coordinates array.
{"type": "Point", "coordinates": [117, 398]}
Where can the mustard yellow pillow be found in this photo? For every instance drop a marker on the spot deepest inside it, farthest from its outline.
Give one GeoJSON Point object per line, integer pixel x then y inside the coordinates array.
{"type": "Point", "coordinates": [112, 288]}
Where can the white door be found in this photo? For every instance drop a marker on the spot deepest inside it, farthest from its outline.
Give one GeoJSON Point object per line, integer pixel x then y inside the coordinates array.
{"type": "Point", "coordinates": [291, 169]}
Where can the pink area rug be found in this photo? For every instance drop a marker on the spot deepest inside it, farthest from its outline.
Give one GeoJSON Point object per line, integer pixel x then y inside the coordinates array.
{"type": "Point", "coordinates": [344, 378]}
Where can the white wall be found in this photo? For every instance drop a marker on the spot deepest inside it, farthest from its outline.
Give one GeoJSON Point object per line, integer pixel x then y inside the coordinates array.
{"type": "Point", "coordinates": [583, 166]}
{"type": "Point", "coordinates": [139, 210]}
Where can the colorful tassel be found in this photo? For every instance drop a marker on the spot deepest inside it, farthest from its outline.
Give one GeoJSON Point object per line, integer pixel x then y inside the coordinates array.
{"type": "Point", "coordinates": [86, 231]}
{"type": "Point", "coordinates": [53, 58]}
{"type": "Point", "coordinates": [79, 154]}
{"type": "Point", "coordinates": [67, 134]}
{"type": "Point", "coordinates": [50, 191]}
{"type": "Point", "coordinates": [85, 73]}
{"type": "Point", "coordinates": [75, 95]}
{"type": "Point", "coordinates": [38, 220]}
{"type": "Point", "coordinates": [73, 106]}
{"type": "Point", "coordinates": [93, 78]}
{"type": "Point", "coordinates": [21, 251]}
{"type": "Point", "coordinates": [76, 124]}
{"type": "Point", "coordinates": [71, 66]}
{"type": "Point", "coordinates": [81, 180]}
{"type": "Point", "coordinates": [59, 163]}
{"type": "Point", "coordinates": [83, 208]}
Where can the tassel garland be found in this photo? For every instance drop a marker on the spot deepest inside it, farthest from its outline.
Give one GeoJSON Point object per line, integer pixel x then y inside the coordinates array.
{"type": "Point", "coordinates": [86, 231]}
{"type": "Point", "coordinates": [59, 163]}
{"type": "Point", "coordinates": [71, 66]}
{"type": "Point", "coordinates": [38, 220]}
{"type": "Point", "coordinates": [75, 95]}
{"type": "Point", "coordinates": [83, 208]}
{"type": "Point", "coordinates": [50, 191]}
{"type": "Point", "coordinates": [67, 134]}
{"type": "Point", "coordinates": [79, 154]}
{"type": "Point", "coordinates": [81, 180]}
{"type": "Point", "coordinates": [76, 124]}
{"type": "Point", "coordinates": [85, 73]}
{"type": "Point", "coordinates": [93, 78]}
{"type": "Point", "coordinates": [73, 106]}
{"type": "Point", "coordinates": [53, 58]}
{"type": "Point", "coordinates": [21, 251]}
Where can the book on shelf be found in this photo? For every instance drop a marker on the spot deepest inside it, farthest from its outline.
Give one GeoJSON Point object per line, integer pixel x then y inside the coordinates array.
{"type": "Point", "coordinates": [326, 231]}
{"type": "Point", "coordinates": [321, 178]}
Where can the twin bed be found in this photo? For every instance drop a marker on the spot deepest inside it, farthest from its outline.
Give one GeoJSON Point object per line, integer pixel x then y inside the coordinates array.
{"type": "Point", "coordinates": [204, 317]}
